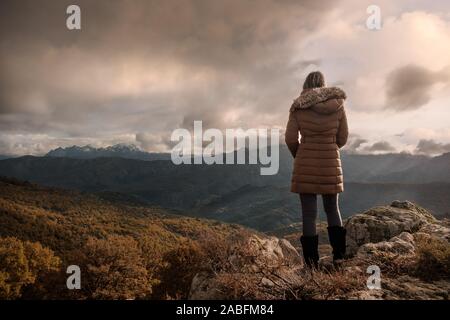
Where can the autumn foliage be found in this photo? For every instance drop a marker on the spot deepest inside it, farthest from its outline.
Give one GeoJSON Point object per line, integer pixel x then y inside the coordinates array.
{"type": "Point", "coordinates": [23, 264]}
{"type": "Point", "coordinates": [123, 251]}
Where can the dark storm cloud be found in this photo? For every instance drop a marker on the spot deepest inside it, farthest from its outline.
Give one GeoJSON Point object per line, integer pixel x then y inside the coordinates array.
{"type": "Point", "coordinates": [380, 146]}
{"type": "Point", "coordinates": [409, 87]}
{"type": "Point", "coordinates": [140, 66]}
{"type": "Point", "coordinates": [432, 147]}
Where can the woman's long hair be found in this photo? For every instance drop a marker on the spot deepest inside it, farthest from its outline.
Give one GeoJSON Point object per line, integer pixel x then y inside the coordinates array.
{"type": "Point", "coordinates": [314, 80]}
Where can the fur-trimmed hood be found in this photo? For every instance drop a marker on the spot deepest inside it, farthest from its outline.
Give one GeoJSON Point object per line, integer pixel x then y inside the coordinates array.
{"type": "Point", "coordinates": [311, 97]}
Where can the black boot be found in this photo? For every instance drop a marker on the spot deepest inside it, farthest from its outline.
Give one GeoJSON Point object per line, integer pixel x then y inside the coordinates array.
{"type": "Point", "coordinates": [310, 247]}
{"type": "Point", "coordinates": [337, 241]}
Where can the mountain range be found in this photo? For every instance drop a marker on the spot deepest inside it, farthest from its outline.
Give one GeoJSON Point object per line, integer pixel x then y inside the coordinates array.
{"type": "Point", "coordinates": [128, 151]}
{"type": "Point", "coordinates": [393, 167]}
{"type": "Point", "coordinates": [233, 193]}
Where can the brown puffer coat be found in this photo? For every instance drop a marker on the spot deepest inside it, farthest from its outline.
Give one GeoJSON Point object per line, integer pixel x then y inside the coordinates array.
{"type": "Point", "coordinates": [319, 116]}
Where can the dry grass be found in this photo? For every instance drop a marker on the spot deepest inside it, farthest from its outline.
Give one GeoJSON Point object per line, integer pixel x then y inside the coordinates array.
{"type": "Point", "coordinates": [432, 258]}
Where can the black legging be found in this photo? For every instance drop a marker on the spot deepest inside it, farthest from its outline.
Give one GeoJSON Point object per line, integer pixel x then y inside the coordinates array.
{"type": "Point", "coordinates": [309, 211]}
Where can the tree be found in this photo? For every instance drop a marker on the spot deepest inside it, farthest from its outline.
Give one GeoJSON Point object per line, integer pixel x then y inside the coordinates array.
{"type": "Point", "coordinates": [113, 268]}
{"type": "Point", "coordinates": [23, 264]}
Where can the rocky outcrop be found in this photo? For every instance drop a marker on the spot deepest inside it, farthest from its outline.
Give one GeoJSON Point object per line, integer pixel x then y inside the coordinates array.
{"type": "Point", "coordinates": [268, 267]}
{"type": "Point", "coordinates": [396, 232]}
{"type": "Point", "coordinates": [385, 222]}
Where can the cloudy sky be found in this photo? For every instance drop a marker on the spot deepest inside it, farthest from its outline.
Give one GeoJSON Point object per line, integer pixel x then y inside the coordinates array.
{"type": "Point", "coordinates": [139, 69]}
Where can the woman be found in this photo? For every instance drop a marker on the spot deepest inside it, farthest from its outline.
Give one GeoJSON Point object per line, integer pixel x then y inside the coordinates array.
{"type": "Point", "coordinates": [318, 115]}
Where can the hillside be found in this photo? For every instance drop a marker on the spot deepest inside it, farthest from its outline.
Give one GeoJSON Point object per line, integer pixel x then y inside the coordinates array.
{"type": "Point", "coordinates": [436, 169]}
{"type": "Point", "coordinates": [68, 227]}
{"type": "Point", "coordinates": [368, 167]}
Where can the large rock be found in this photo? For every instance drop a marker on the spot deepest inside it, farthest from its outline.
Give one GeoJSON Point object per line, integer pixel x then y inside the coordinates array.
{"type": "Point", "coordinates": [385, 222]}
{"type": "Point", "coordinates": [271, 252]}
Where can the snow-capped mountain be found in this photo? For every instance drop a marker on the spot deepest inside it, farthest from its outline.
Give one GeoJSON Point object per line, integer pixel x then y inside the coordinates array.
{"type": "Point", "coordinates": [128, 151]}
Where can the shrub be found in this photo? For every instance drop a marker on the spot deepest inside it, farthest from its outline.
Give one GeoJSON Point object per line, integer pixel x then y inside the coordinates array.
{"type": "Point", "coordinates": [433, 258]}
{"type": "Point", "coordinates": [179, 266]}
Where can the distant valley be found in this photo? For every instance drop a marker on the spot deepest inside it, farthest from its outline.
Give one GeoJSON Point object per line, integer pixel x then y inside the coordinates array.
{"type": "Point", "coordinates": [233, 193]}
